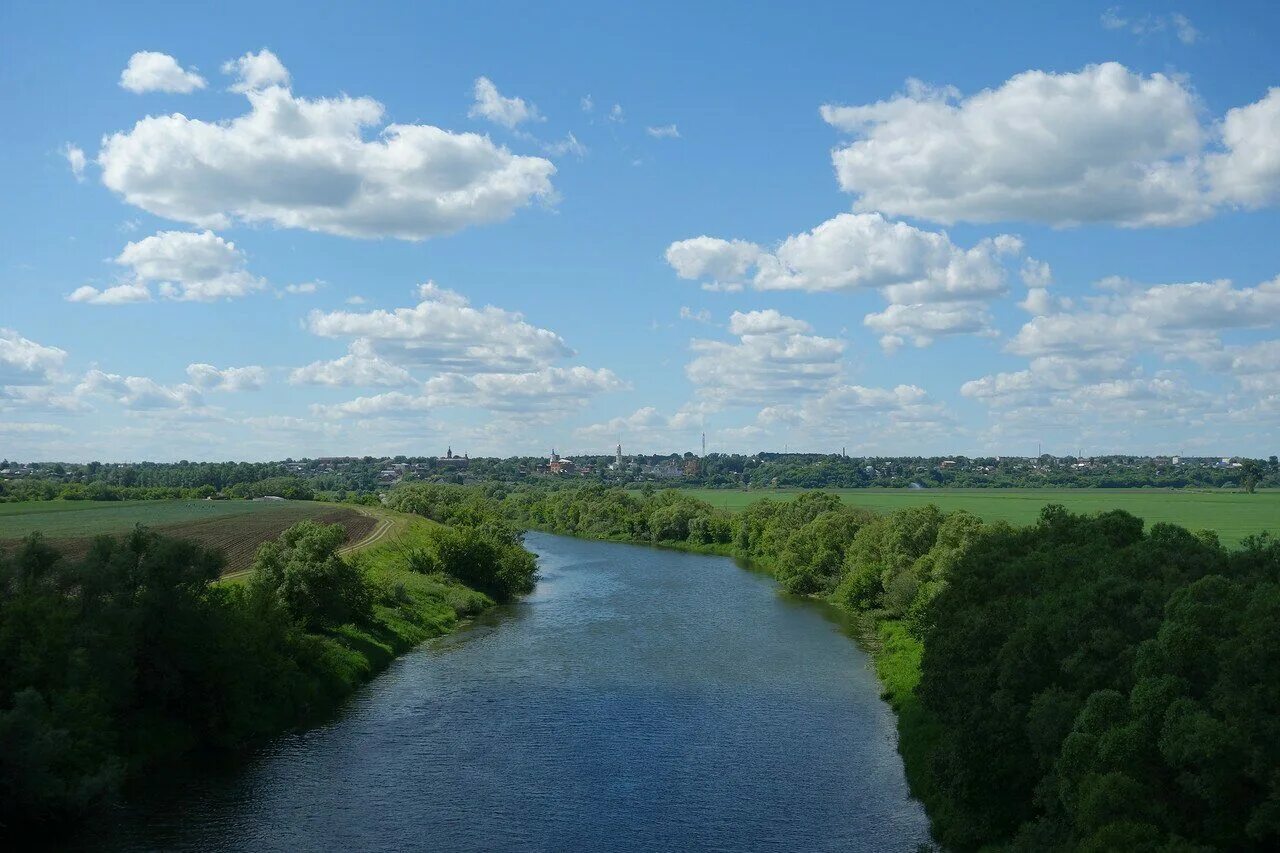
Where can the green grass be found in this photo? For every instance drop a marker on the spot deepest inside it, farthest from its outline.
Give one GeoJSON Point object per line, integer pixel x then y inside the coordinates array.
{"type": "Point", "coordinates": [64, 519]}
{"type": "Point", "coordinates": [413, 607]}
{"type": "Point", "coordinates": [1233, 515]}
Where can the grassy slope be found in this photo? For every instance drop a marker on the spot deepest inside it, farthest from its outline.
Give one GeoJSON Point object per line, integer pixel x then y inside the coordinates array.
{"type": "Point", "coordinates": [411, 607]}
{"type": "Point", "coordinates": [1234, 515]}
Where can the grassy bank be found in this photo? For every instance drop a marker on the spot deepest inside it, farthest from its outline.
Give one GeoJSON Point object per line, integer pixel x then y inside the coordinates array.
{"type": "Point", "coordinates": [136, 654]}
{"type": "Point", "coordinates": [1233, 515]}
{"type": "Point", "coordinates": [409, 607]}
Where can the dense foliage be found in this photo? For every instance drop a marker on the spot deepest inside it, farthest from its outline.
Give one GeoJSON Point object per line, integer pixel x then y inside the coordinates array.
{"type": "Point", "coordinates": [1083, 683]}
{"type": "Point", "coordinates": [1101, 688]}
{"type": "Point", "coordinates": [134, 655]}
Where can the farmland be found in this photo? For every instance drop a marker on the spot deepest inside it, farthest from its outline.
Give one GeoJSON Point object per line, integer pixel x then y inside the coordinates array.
{"type": "Point", "coordinates": [236, 528]}
{"type": "Point", "coordinates": [1233, 515]}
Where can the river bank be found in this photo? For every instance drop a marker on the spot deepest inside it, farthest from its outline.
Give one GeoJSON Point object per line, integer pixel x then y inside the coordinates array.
{"type": "Point", "coordinates": [611, 708]}
{"type": "Point", "coordinates": [137, 657]}
{"type": "Point", "coordinates": [894, 652]}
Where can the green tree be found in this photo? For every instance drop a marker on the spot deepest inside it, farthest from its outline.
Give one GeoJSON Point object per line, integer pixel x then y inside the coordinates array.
{"type": "Point", "coordinates": [317, 587]}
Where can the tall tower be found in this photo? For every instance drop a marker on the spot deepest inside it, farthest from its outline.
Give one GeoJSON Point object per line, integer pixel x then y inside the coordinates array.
{"type": "Point", "coordinates": [617, 456]}
{"type": "Point", "coordinates": [704, 444]}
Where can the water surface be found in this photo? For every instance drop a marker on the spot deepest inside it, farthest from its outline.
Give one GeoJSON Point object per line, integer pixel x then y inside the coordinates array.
{"type": "Point", "coordinates": [640, 699]}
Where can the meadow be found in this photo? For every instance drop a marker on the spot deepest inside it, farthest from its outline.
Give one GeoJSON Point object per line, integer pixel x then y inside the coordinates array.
{"type": "Point", "coordinates": [236, 528]}
{"type": "Point", "coordinates": [1232, 515]}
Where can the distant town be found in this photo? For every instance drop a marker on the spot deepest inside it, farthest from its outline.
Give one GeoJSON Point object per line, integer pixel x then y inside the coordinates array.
{"type": "Point", "coordinates": [369, 474]}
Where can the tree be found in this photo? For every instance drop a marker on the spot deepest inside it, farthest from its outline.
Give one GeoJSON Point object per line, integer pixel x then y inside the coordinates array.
{"type": "Point", "coordinates": [319, 589]}
{"type": "Point", "coordinates": [1250, 473]}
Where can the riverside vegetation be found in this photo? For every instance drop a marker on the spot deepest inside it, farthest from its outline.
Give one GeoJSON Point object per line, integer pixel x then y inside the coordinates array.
{"type": "Point", "coordinates": [135, 654]}
{"type": "Point", "coordinates": [1076, 684]}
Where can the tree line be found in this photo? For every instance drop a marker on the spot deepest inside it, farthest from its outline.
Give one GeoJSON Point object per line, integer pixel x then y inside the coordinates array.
{"type": "Point", "coordinates": [136, 655]}
{"type": "Point", "coordinates": [1082, 683]}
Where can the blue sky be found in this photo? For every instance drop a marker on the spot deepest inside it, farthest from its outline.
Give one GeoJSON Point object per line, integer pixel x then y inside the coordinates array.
{"type": "Point", "coordinates": [894, 229]}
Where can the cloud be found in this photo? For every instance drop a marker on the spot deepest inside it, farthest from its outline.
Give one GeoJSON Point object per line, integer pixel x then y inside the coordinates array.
{"type": "Point", "coordinates": [1187, 34]}
{"type": "Point", "coordinates": [923, 324]}
{"type": "Point", "coordinates": [302, 163]}
{"type": "Point", "coordinates": [587, 104]}
{"type": "Point", "coordinates": [255, 71]}
{"type": "Point", "coordinates": [139, 392]}
{"type": "Point", "coordinates": [1167, 317]}
{"type": "Point", "coordinates": [1247, 173]}
{"type": "Point", "coordinates": [772, 360]}
{"type": "Point", "coordinates": [934, 287]}
{"type": "Point", "coordinates": [647, 427]}
{"type": "Point", "coordinates": [304, 287]}
{"type": "Point", "coordinates": [849, 252]}
{"type": "Point", "coordinates": [187, 266]}
{"type": "Point", "coordinates": [665, 131]}
{"type": "Point", "coordinates": [492, 106]}
{"type": "Point", "coordinates": [39, 398]}
{"type": "Point", "coordinates": [767, 322]}
{"type": "Point", "coordinates": [1113, 19]}
{"type": "Point", "coordinates": [555, 389]}
{"type": "Point", "coordinates": [120, 294]}
{"type": "Point", "coordinates": [1255, 367]}
{"type": "Point", "coordinates": [616, 114]}
{"type": "Point", "coordinates": [568, 145]}
{"type": "Point", "coordinates": [861, 413]}
{"type": "Point", "coordinates": [1099, 145]}
{"type": "Point", "coordinates": [361, 366]}
{"type": "Point", "coordinates": [1088, 362]}
{"type": "Point", "coordinates": [149, 71]}
{"type": "Point", "coordinates": [701, 316]}
{"type": "Point", "coordinates": [443, 331]}
{"type": "Point", "coordinates": [32, 428]}
{"type": "Point", "coordinates": [25, 362]}
{"type": "Point", "coordinates": [75, 159]}
{"type": "Point", "coordinates": [551, 390]}
{"type": "Point", "coordinates": [209, 378]}
{"type": "Point", "coordinates": [724, 262]}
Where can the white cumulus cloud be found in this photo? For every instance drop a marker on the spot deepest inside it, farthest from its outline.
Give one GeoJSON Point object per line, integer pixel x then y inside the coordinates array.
{"type": "Point", "coordinates": [184, 265]}
{"type": "Point", "coordinates": [209, 378]}
{"type": "Point", "coordinates": [1103, 144]}
{"type": "Point", "coordinates": [149, 71]}
{"type": "Point", "coordinates": [772, 360]}
{"type": "Point", "coordinates": [305, 163]}
{"type": "Point", "coordinates": [256, 71]}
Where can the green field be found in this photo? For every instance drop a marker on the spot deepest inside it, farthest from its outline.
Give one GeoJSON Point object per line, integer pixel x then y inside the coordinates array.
{"type": "Point", "coordinates": [1233, 515]}
{"type": "Point", "coordinates": [66, 519]}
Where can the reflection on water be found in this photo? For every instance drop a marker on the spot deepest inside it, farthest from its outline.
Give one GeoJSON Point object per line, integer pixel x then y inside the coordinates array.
{"type": "Point", "coordinates": [640, 699]}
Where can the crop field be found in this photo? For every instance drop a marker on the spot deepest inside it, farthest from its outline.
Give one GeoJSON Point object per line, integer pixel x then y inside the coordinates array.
{"type": "Point", "coordinates": [1233, 515]}
{"type": "Point", "coordinates": [236, 528]}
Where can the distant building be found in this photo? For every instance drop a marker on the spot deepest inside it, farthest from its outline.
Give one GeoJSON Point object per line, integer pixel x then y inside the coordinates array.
{"type": "Point", "coordinates": [451, 461]}
{"type": "Point", "coordinates": [556, 465]}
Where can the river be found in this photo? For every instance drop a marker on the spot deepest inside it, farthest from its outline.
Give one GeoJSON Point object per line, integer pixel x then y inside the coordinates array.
{"type": "Point", "coordinates": [639, 699]}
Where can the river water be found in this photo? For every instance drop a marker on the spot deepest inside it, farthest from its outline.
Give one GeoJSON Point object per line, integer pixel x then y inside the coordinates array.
{"type": "Point", "coordinates": [640, 699]}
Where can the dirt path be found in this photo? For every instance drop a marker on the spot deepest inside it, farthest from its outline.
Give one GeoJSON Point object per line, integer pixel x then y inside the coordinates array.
{"type": "Point", "coordinates": [381, 530]}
